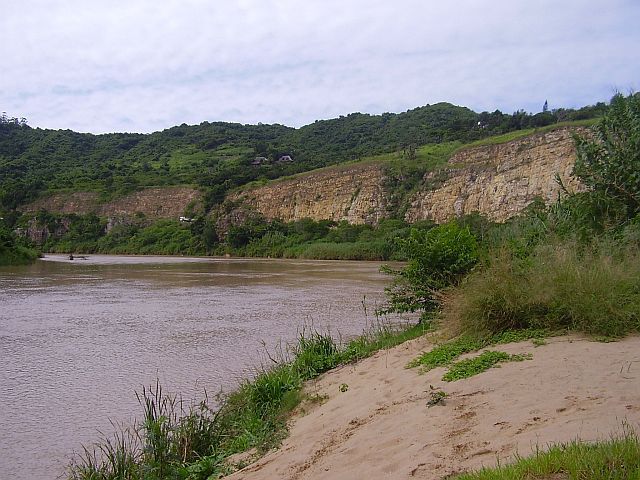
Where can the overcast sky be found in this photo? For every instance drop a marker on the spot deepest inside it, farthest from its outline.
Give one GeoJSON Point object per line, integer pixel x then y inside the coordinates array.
{"type": "Point", "coordinates": [140, 66]}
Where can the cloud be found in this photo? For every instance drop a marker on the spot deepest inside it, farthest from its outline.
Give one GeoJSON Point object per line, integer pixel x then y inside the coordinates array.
{"type": "Point", "coordinates": [141, 66]}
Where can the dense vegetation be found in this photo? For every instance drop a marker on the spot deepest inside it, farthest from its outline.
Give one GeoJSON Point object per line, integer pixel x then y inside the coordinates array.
{"type": "Point", "coordinates": [12, 251]}
{"type": "Point", "coordinates": [573, 265]}
{"type": "Point", "coordinates": [256, 237]}
{"type": "Point", "coordinates": [218, 156]}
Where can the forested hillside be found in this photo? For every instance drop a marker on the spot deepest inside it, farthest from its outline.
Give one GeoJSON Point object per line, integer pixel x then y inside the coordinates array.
{"type": "Point", "coordinates": [218, 156]}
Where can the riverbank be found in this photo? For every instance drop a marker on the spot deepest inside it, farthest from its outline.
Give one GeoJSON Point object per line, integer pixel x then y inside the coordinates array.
{"type": "Point", "coordinates": [373, 420]}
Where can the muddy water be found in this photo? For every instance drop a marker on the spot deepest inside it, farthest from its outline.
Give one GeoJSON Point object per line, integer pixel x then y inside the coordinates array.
{"type": "Point", "coordinates": [78, 338]}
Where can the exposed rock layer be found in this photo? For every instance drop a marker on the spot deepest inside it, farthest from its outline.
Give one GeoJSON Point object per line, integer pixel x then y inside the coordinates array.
{"type": "Point", "coordinates": [495, 180]}
{"type": "Point", "coordinates": [498, 181]}
{"type": "Point", "coordinates": [354, 193]}
{"type": "Point", "coordinates": [154, 203]}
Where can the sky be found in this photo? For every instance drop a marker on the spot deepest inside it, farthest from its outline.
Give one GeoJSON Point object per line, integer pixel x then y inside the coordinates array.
{"type": "Point", "coordinates": [140, 66]}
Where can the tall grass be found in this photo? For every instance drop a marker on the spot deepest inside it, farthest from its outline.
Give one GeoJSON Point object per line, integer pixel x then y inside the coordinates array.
{"type": "Point", "coordinates": [193, 441]}
{"type": "Point", "coordinates": [562, 285]}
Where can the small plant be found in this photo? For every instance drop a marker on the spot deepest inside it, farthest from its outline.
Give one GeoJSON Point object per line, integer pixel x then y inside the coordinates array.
{"type": "Point", "coordinates": [483, 362]}
{"type": "Point", "coordinates": [436, 397]}
{"type": "Point", "coordinates": [343, 387]}
{"type": "Point", "coordinates": [445, 353]}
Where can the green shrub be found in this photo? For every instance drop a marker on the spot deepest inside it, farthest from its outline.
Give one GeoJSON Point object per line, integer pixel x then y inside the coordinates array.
{"type": "Point", "coordinates": [610, 162]}
{"type": "Point", "coordinates": [437, 258]}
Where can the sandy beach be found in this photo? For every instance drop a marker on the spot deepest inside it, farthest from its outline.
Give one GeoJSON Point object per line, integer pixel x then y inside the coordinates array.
{"type": "Point", "coordinates": [382, 428]}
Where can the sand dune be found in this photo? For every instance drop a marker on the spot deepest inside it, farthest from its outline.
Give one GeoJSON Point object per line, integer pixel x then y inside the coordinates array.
{"type": "Point", "coordinates": [381, 427]}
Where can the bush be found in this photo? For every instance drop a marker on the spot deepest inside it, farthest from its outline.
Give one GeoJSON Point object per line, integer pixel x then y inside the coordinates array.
{"type": "Point", "coordinates": [563, 286]}
{"type": "Point", "coordinates": [610, 162]}
{"type": "Point", "coordinates": [437, 258]}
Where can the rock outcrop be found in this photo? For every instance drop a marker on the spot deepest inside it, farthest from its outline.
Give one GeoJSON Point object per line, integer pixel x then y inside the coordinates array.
{"type": "Point", "coordinates": [153, 203]}
{"type": "Point", "coordinates": [354, 193]}
{"type": "Point", "coordinates": [498, 181]}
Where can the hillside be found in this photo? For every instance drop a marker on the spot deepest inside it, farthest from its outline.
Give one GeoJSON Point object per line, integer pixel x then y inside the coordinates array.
{"type": "Point", "coordinates": [497, 180]}
{"type": "Point", "coordinates": [217, 157]}
{"type": "Point", "coordinates": [253, 189]}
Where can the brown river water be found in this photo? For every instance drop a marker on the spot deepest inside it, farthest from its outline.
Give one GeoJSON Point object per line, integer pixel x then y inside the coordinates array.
{"type": "Point", "coordinates": [78, 338]}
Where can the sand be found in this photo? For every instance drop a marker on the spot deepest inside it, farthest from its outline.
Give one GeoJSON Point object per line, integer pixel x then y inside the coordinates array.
{"type": "Point", "coordinates": [381, 427]}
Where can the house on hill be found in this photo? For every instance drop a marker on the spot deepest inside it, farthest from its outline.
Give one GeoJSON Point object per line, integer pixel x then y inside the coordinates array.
{"type": "Point", "coordinates": [285, 159]}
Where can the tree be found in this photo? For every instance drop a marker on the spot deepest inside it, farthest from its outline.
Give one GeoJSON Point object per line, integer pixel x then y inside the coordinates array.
{"type": "Point", "coordinates": [437, 259]}
{"type": "Point", "coordinates": [609, 161]}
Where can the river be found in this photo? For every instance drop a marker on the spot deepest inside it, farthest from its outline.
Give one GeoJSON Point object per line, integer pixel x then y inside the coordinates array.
{"type": "Point", "coordinates": [78, 338]}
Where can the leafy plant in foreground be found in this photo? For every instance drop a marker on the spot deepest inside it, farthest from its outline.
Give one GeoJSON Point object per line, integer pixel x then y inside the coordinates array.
{"type": "Point", "coordinates": [610, 163]}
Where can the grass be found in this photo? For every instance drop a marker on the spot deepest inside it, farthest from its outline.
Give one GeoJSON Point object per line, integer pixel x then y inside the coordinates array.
{"type": "Point", "coordinates": [194, 441]}
{"type": "Point", "coordinates": [615, 459]}
{"type": "Point", "coordinates": [516, 134]}
{"type": "Point", "coordinates": [481, 363]}
{"type": "Point", "coordinates": [592, 289]}
{"type": "Point", "coordinates": [445, 353]}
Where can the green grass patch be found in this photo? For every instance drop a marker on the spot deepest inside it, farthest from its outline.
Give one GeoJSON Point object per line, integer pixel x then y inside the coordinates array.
{"type": "Point", "coordinates": [615, 459]}
{"type": "Point", "coordinates": [481, 363]}
{"type": "Point", "coordinates": [445, 353]}
{"type": "Point", "coordinates": [517, 134]}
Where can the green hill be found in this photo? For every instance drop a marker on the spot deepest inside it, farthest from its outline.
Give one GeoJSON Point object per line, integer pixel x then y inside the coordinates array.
{"type": "Point", "coordinates": [218, 156]}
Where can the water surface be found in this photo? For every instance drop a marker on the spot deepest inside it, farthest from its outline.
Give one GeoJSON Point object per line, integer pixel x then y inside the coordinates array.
{"type": "Point", "coordinates": [78, 338]}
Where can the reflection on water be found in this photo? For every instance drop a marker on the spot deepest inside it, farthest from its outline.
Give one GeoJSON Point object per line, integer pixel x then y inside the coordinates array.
{"type": "Point", "coordinates": [77, 338]}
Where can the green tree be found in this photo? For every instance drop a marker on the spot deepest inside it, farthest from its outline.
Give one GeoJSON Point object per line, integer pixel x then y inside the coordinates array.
{"type": "Point", "coordinates": [437, 258]}
{"type": "Point", "coordinates": [609, 161]}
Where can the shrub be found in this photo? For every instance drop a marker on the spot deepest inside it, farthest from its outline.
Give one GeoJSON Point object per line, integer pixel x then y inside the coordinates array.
{"type": "Point", "coordinates": [610, 162]}
{"type": "Point", "coordinates": [437, 258]}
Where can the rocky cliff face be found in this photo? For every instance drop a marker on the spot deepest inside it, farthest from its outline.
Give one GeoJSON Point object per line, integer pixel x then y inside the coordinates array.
{"type": "Point", "coordinates": [353, 193]}
{"type": "Point", "coordinates": [498, 181]}
{"type": "Point", "coordinates": [154, 203]}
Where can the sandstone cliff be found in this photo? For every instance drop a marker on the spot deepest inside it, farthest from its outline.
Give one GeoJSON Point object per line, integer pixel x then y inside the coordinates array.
{"type": "Point", "coordinates": [498, 181]}
{"type": "Point", "coordinates": [495, 180]}
{"type": "Point", "coordinates": [354, 193]}
{"type": "Point", "coordinates": [154, 203]}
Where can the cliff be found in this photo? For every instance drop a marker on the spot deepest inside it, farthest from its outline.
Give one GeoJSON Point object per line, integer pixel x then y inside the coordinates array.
{"type": "Point", "coordinates": [495, 180]}
{"type": "Point", "coordinates": [498, 181]}
{"type": "Point", "coordinates": [354, 193]}
{"type": "Point", "coordinates": [153, 203]}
